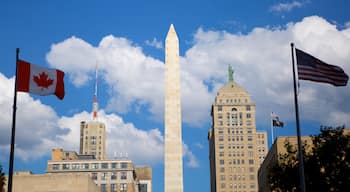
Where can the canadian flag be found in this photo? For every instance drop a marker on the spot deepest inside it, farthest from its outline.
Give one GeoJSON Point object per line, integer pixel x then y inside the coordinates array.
{"type": "Point", "coordinates": [39, 80]}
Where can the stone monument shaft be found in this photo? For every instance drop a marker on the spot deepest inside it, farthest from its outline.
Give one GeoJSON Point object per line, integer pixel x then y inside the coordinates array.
{"type": "Point", "coordinates": [173, 178]}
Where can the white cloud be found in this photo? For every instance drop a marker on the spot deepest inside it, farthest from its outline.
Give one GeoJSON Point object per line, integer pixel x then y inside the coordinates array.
{"type": "Point", "coordinates": [261, 60]}
{"type": "Point", "coordinates": [199, 145]}
{"type": "Point", "coordinates": [192, 161]}
{"type": "Point", "coordinates": [40, 131]}
{"type": "Point", "coordinates": [32, 117]}
{"type": "Point", "coordinates": [154, 43]}
{"type": "Point", "coordinates": [283, 7]}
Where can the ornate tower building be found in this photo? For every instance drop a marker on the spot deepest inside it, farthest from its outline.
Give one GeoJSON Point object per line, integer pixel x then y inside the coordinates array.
{"type": "Point", "coordinates": [236, 149]}
{"type": "Point", "coordinates": [173, 179]}
{"type": "Point", "coordinates": [93, 133]}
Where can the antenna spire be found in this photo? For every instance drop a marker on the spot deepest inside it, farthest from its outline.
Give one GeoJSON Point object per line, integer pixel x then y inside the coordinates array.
{"type": "Point", "coordinates": [95, 104]}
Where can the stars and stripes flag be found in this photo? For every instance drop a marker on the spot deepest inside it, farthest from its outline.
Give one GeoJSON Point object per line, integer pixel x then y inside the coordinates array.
{"type": "Point", "coordinates": [312, 69]}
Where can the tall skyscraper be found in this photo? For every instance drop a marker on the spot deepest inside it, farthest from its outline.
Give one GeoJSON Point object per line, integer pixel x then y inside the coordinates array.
{"type": "Point", "coordinates": [173, 181]}
{"type": "Point", "coordinates": [236, 149]}
{"type": "Point", "coordinates": [93, 133]}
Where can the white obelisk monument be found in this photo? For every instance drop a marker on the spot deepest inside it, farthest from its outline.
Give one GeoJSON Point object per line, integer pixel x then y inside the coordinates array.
{"type": "Point", "coordinates": [173, 181]}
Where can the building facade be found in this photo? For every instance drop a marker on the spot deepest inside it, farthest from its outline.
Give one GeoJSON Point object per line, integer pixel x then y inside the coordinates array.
{"type": "Point", "coordinates": [173, 178]}
{"type": "Point", "coordinates": [118, 175]}
{"type": "Point", "coordinates": [236, 149]}
{"type": "Point", "coordinates": [64, 182]}
{"type": "Point", "coordinates": [93, 139]}
{"type": "Point", "coordinates": [278, 148]}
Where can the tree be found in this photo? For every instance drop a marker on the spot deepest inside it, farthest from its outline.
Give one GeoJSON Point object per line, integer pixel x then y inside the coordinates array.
{"type": "Point", "coordinates": [327, 164]}
{"type": "Point", "coordinates": [2, 179]}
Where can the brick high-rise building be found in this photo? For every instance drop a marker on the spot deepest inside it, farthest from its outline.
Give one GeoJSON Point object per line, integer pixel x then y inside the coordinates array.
{"type": "Point", "coordinates": [236, 149]}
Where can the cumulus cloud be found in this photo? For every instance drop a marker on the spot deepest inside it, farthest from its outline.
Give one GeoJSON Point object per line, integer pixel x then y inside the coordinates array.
{"type": "Point", "coordinates": [154, 43]}
{"type": "Point", "coordinates": [261, 60]}
{"type": "Point", "coordinates": [286, 7]}
{"type": "Point", "coordinates": [32, 117]}
{"type": "Point", "coordinates": [40, 131]}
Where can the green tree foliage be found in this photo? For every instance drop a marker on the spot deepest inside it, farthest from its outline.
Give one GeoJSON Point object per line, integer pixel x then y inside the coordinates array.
{"type": "Point", "coordinates": [327, 164]}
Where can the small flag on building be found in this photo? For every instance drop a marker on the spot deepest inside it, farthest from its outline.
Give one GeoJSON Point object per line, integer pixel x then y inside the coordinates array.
{"type": "Point", "coordinates": [275, 120]}
{"type": "Point", "coordinates": [312, 69]}
{"type": "Point", "coordinates": [39, 80]}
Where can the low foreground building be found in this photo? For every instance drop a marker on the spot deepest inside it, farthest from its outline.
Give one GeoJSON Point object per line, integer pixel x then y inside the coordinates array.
{"type": "Point", "coordinates": [63, 182]}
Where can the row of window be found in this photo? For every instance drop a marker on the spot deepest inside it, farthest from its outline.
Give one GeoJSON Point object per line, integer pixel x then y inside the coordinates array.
{"type": "Point", "coordinates": [237, 130]}
{"type": "Point", "coordinates": [236, 153]}
{"type": "Point", "coordinates": [77, 166]}
{"type": "Point", "coordinates": [111, 175]}
{"type": "Point", "coordinates": [237, 177]}
{"type": "Point", "coordinates": [236, 138]}
{"type": "Point", "coordinates": [230, 101]}
{"type": "Point", "coordinates": [236, 161]}
{"type": "Point", "coordinates": [221, 146]}
{"type": "Point", "coordinates": [123, 187]}
{"type": "Point", "coordinates": [236, 169]}
{"type": "Point", "coordinates": [237, 186]}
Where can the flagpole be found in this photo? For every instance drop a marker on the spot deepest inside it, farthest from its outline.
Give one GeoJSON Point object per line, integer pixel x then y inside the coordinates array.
{"type": "Point", "coordinates": [272, 138]}
{"type": "Point", "coordinates": [13, 131]}
{"type": "Point", "coordinates": [300, 152]}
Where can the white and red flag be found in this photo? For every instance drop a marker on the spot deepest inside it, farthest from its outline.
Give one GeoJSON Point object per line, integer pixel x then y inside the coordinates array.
{"type": "Point", "coordinates": [39, 80]}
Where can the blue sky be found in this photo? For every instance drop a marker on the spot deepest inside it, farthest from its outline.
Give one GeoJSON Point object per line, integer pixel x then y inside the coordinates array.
{"type": "Point", "coordinates": [126, 39]}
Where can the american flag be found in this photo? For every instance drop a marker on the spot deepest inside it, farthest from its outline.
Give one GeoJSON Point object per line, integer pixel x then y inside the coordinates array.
{"type": "Point", "coordinates": [312, 69]}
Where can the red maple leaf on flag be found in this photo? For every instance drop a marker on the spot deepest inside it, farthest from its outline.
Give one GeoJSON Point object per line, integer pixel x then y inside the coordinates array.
{"type": "Point", "coordinates": [42, 80]}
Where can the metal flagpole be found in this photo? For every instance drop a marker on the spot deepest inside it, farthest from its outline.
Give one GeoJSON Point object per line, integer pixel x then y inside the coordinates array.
{"type": "Point", "coordinates": [271, 121]}
{"type": "Point", "coordinates": [300, 152]}
{"type": "Point", "coordinates": [13, 131]}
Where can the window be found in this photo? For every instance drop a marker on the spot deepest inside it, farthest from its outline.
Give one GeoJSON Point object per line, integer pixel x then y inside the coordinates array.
{"type": "Point", "coordinates": [65, 166]}
{"type": "Point", "coordinates": [103, 187]}
{"type": "Point", "coordinates": [85, 165]}
{"type": "Point", "coordinates": [104, 165]}
{"type": "Point", "coordinates": [113, 187]}
{"type": "Point", "coordinates": [251, 161]}
{"type": "Point", "coordinates": [222, 162]}
{"type": "Point", "coordinates": [247, 107]}
{"type": "Point", "coordinates": [251, 177]}
{"type": "Point", "coordinates": [75, 166]}
{"type": "Point", "coordinates": [248, 116]}
{"type": "Point", "coordinates": [123, 187]}
{"type": "Point", "coordinates": [222, 177]}
{"type": "Point", "coordinates": [94, 166]}
{"type": "Point", "coordinates": [223, 185]}
{"type": "Point", "coordinates": [219, 107]}
{"type": "Point", "coordinates": [220, 131]}
{"type": "Point", "coordinates": [143, 187]}
{"type": "Point", "coordinates": [249, 130]}
{"type": "Point", "coordinates": [114, 175]}
{"type": "Point", "coordinates": [220, 116]}
{"type": "Point", "coordinates": [250, 138]}
{"type": "Point", "coordinates": [222, 169]}
{"type": "Point", "coordinates": [221, 138]}
{"type": "Point", "coordinates": [94, 176]}
{"type": "Point", "coordinates": [251, 169]}
{"type": "Point", "coordinates": [124, 165]}
{"type": "Point", "coordinates": [221, 154]}
{"type": "Point", "coordinates": [104, 176]}
{"type": "Point", "coordinates": [56, 166]}
{"type": "Point", "coordinates": [114, 165]}
{"type": "Point", "coordinates": [123, 175]}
